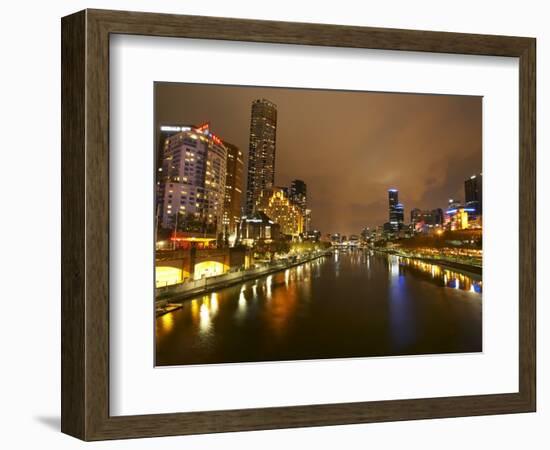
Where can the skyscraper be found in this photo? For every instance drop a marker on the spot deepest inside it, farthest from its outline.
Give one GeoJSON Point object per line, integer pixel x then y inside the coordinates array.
{"type": "Point", "coordinates": [233, 188]}
{"type": "Point", "coordinates": [261, 151]}
{"type": "Point", "coordinates": [298, 194]}
{"type": "Point", "coordinates": [473, 193]}
{"type": "Point", "coordinates": [191, 191]}
{"type": "Point", "coordinates": [396, 210]}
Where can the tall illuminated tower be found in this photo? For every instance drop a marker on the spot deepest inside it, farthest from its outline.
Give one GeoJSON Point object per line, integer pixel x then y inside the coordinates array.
{"type": "Point", "coordinates": [473, 192]}
{"type": "Point", "coordinates": [261, 151]}
{"type": "Point", "coordinates": [396, 210]}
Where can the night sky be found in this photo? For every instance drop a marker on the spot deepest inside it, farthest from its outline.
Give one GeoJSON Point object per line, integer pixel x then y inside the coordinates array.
{"type": "Point", "coordinates": [349, 147]}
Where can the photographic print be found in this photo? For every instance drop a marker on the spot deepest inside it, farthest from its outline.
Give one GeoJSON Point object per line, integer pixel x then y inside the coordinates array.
{"type": "Point", "coordinates": [302, 224]}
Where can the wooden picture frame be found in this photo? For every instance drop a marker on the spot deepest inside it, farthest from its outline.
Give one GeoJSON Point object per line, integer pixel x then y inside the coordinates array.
{"type": "Point", "coordinates": [85, 224]}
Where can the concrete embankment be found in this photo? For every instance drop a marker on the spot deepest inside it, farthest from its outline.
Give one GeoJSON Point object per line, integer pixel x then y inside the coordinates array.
{"type": "Point", "coordinates": [182, 291]}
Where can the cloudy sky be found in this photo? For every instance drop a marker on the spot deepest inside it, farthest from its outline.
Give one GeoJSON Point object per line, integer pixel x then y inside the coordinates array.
{"type": "Point", "coordinates": [349, 147]}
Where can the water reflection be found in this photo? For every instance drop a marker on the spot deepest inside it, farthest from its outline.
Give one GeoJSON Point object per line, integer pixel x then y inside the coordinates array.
{"type": "Point", "coordinates": [401, 313]}
{"type": "Point", "coordinates": [204, 318]}
{"type": "Point", "coordinates": [214, 303]}
{"type": "Point", "coordinates": [242, 303]}
{"type": "Point", "coordinates": [441, 276]}
{"type": "Point", "coordinates": [355, 303]}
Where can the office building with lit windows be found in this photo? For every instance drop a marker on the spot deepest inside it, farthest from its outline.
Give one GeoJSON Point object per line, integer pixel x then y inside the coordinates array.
{"type": "Point", "coordinates": [233, 189]}
{"type": "Point", "coordinates": [298, 194]}
{"type": "Point", "coordinates": [261, 151]}
{"type": "Point", "coordinates": [423, 220]}
{"type": "Point", "coordinates": [473, 193]}
{"type": "Point", "coordinates": [396, 210]}
{"type": "Point", "coordinates": [191, 188]}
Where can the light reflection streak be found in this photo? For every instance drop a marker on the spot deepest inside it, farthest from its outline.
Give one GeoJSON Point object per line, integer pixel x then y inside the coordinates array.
{"type": "Point", "coordinates": [268, 282]}
{"type": "Point", "coordinates": [394, 265]}
{"type": "Point", "coordinates": [204, 318]}
{"type": "Point", "coordinates": [214, 303]}
{"type": "Point", "coordinates": [167, 322]}
{"type": "Point", "coordinates": [242, 303]}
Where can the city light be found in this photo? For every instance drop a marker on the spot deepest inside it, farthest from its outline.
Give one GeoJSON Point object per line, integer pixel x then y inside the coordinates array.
{"type": "Point", "coordinates": [242, 261]}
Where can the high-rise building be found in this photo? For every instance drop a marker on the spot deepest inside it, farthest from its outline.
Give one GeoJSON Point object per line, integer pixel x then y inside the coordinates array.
{"type": "Point", "coordinates": [473, 190]}
{"type": "Point", "coordinates": [298, 194]}
{"type": "Point", "coordinates": [261, 151]}
{"type": "Point", "coordinates": [191, 190]}
{"type": "Point", "coordinates": [278, 207]}
{"type": "Point", "coordinates": [233, 189]}
{"type": "Point", "coordinates": [163, 133]}
{"type": "Point", "coordinates": [307, 221]}
{"type": "Point", "coordinates": [396, 210]}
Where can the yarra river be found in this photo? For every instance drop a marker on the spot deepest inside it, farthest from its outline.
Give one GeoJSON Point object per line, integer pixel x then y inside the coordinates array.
{"type": "Point", "coordinates": [351, 304]}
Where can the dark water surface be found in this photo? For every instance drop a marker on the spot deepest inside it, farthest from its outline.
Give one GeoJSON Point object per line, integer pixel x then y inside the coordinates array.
{"type": "Point", "coordinates": [350, 304]}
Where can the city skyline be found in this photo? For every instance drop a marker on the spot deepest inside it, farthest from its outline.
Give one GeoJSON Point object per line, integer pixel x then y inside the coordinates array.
{"type": "Point", "coordinates": [345, 145]}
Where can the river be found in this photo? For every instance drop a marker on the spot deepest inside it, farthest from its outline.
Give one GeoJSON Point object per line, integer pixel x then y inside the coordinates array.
{"type": "Point", "coordinates": [352, 304]}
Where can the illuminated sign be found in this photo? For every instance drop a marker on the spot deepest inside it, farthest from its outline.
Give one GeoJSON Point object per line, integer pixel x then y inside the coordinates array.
{"type": "Point", "coordinates": [204, 128]}
{"type": "Point", "coordinates": [453, 211]}
{"type": "Point", "coordinates": [216, 139]}
{"type": "Point", "coordinates": [174, 129]}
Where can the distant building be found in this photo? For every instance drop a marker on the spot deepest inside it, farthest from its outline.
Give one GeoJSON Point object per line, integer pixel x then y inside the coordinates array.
{"type": "Point", "coordinates": [261, 151]}
{"type": "Point", "coordinates": [298, 194]}
{"type": "Point", "coordinates": [312, 235]}
{"type": "Point", "coordinates": [458, 219]}
{"type": "Point", "coordinates": [421, 220]}
{"type": "Point", "coordinates": [233, 189]}
{"type": "Point", "coordinates": [367, 234]}
{"type": "Point", "coordinates": [278, 207]}
{"type": "Point", "coordinates": [396, 210]}
{"type": "Point", "coordinates": [473, 193]}
{"type": "Point", "coordinates": [191, 189]}
{"type": "Point", "coordinates": [307, 221]}
{"type": "Point", "coordinates": [353, 241]}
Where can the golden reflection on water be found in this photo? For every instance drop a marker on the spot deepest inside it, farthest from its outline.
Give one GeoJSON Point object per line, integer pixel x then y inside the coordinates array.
{"type": "Point", "coordinates": [268, 282]}
{"type": "Point", "coordinates": [242, 303]}
{"type": "Point", "coordinates": [281, 309]}
{"type": "Point", "coordinates": [166, 323]}
{"type": "Point", "coordinates": [450, 278]}
{"type": "Point", "coordinates": [214, 303]}
{"type": "Point", "coordinates": [204, 318]}
{"type": "Point", "coordinates": [195, 310]}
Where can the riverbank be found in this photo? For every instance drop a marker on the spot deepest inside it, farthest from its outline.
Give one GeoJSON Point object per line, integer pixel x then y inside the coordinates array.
{"type": "Point", "coordinates": [469, 270]}
{"type": "Point", "coordinates": [169, 298]}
